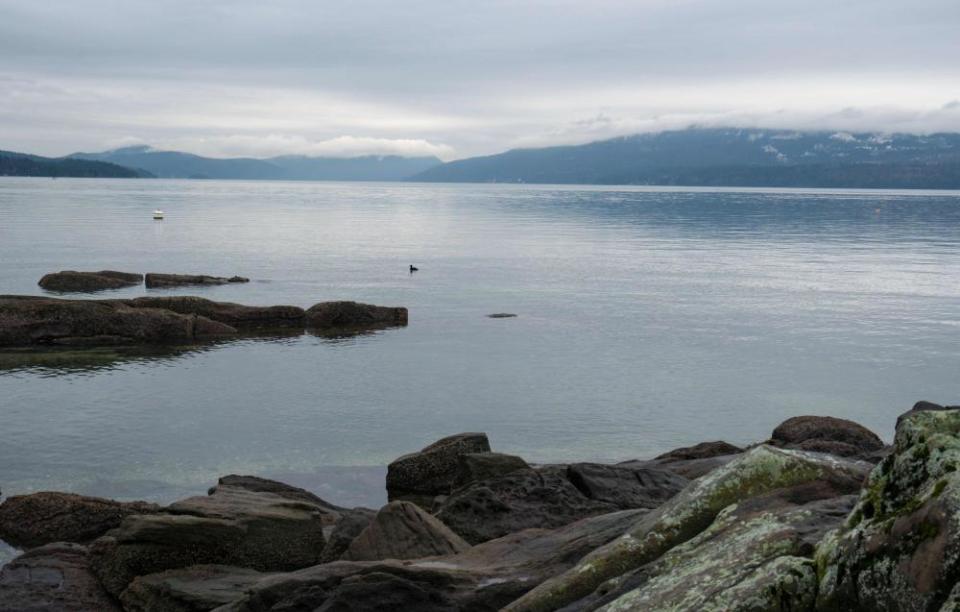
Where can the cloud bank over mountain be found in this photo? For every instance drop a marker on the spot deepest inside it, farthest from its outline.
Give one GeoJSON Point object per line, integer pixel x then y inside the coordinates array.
{"type": "Point", "coordinates": [456, 78]}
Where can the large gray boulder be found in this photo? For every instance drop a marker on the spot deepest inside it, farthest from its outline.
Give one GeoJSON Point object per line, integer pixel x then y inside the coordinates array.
{"type": "Point", "coordinates": [420, 477]}
{"type": "Point", "coordinates": [759, 471]}
{"type": "Point", "coordinates": [71, 281]}
{"type": "Point", "coordinates": [519, 500]}
{"type": "Point", "coordinates": [335, 315]}
{"type": "Point", "coordinates": [28, 320]}
{"type": "Point", "coordinates": [231, 526]}
{"type": "Point", "coordinates": [900, 547]}
{"type": "Point", "coordinates": [53, 578]}
{"type": "Point", "coordinates": [155, 281]}
{"type": "Point", "coordinates": [350, 524]}
{"type": "Point", "coordinates": [243, 318]}
{"type": "Point", "coordinates": [401, 530]}
{"type": "Point", "coordinates": [42, 518]}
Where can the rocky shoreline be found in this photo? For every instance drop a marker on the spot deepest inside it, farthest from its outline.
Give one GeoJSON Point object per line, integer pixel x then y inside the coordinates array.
{"type": "Point", "coordinates": [821, 517]}
{"type": "Point", "coordinates": [44, 321]}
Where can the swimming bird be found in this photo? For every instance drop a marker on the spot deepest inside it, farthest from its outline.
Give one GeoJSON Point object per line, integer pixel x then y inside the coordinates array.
{"type": "Point", "coordinates": [413, 268]}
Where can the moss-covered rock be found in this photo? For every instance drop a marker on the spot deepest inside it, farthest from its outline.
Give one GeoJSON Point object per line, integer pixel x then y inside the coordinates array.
{"type": "Point", "coordinates": [759, 471]}
{"type": "Point", "coordinates": [900, 547]}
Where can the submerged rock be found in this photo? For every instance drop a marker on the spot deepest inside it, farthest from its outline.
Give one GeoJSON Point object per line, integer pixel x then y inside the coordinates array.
{"type": "Point", "coordinates": [154, 280]}
{"type": "Point", "coordinates": [900, 547]}
{"type": "Point", "coordinates": [70, 281]}
{"type": "Point", "coordinates": [761, 470]}
{"type": "Point", "coordinates": [27, 320]}
{"type": "Point", "coordinates": [53, 578]}
{"type": "Point", "coordinates": [238, 316]}
{"type": "Point", "coordinates": [41, 518]}
{"type": "Point", "coordinates": [401, 530]}
{"type": "Point", "coordinates": [502, 315]}
{"type": "Point", "coordinates": [519, 500]}
{"type": "Point", "coordinates": [328, 315]}
{"type": "Point", "coordinates": [419, 477]}
{"type": "Point", "coordinates": [232, 526]}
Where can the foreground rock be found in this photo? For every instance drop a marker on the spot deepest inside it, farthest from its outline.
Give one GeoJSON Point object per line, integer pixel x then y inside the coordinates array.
{"type": "Point", "coordinates": [900, 548]}
{"type": "Point", "coordinates": [156, 281]}
{"type": "Point", "coordinates": [754, 473]}
{"type": "Point", "coordinates": [350, 524]}
{"type": "Point", "coordinates": [238, 316]}
{"type": "Point", "coordinates": [420, 477]}
{"type": "Point", "coordinates": [337, 315]}
{"type": "Point", "coordinates": [754, 556]}
{"type": "Point", "coordinates": [485, 577]}
{"type": "Point", "coordinates": [70, 281]}
{"type": "Point", "coordinates": [522, 499]}
{"type": "Point", "coordinates": [625, 487]}
{"type": "Point", "coordinates": [26, 320]}
{"type": "Point", "coordinates": [52, 578]}
{"type": "Point", "coordinates": [232, 526]}
{"type": "Point", "coordinates": [401, 530]}
{"type": "Point", "coordinates": [196, 588]}
{"type": "Point", "coordinates": [33, 520]}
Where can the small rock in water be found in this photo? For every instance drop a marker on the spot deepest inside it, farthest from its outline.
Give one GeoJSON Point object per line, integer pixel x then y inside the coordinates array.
{"type": "Point", "coordinates": [501, 315]}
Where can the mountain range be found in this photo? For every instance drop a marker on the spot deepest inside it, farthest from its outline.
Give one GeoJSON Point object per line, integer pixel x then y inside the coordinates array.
{"type": "Point", "coordinates": [23, 164]}
{"type": "Point", "coordinates": [727, 157]}
{"type": "Point", "coordinates": [691, 157]}
{"type": "Point", "coordinates": [174, 164]}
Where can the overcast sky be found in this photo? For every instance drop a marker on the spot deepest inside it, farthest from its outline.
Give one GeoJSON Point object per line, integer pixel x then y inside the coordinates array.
{"type": "Point", "coordinates": [459, 78]}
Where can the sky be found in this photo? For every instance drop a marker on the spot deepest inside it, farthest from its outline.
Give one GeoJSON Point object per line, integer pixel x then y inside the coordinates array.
{"type": "Point", "coordinates": [456, 78]}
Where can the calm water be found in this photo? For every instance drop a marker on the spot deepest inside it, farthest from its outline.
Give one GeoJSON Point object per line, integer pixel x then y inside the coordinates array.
{"type": "Point", "coordinates": [648, 319]}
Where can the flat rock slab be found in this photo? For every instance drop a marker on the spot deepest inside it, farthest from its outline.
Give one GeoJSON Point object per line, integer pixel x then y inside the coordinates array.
{"type": "Point", "coordinates": [401, 530]}
{"type": "Point", "coordinates": [480, 466]}
{"type": "Point", "coordinates": [52, 578]}
{"type": "Point", "coordinates": [232, 526]}
{"type": "Point", "coordinates": [154, 280]}
{"type": "Point", "coordinates": [238, 316]}
{"type": "Point", "coordinates": [28, 320]}
{"type": "Point", "coordinates": [192, 589]}
{"type": "Point", "coordinates": [41, 518]}
{"type": "Point", "coordinates": [71, 281]}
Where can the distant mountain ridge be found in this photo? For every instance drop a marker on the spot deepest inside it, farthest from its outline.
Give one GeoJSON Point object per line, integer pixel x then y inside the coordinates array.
{"type": "Point", "coordinates": [174, 164]}
{"type": "Point", "coordinates": [24, 164]}
{"type": "Point", "coordinates": [727, 157]}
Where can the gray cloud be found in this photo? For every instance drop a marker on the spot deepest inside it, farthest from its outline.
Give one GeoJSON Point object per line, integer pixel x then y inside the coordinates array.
{"type": "Point", "coordinates": [460, 78]}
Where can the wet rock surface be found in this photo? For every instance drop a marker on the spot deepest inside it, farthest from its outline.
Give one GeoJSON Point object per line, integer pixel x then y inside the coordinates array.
{"type": "Point", "coordinates": [71, 281]}
{"type": "Point", "coordinates": [332, 315]}
{"type": "Point", "coordinates": [238, 316]}
{"type": "Point", "coordinates": [42, 518]}
{"type": "Point", "coordinates": [154, 280]}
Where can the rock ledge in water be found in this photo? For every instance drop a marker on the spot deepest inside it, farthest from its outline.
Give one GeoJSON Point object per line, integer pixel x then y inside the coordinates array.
{"type": "Point", "coordinates": [155, 281]}
{"type": "Point", "coordinates": [71, 281]}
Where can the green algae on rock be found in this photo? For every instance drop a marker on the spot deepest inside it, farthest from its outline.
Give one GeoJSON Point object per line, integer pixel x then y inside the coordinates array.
{"type": "Point", "coordinates": [900, 548]}
{"type": "Point", "coordinates": [754, 473]}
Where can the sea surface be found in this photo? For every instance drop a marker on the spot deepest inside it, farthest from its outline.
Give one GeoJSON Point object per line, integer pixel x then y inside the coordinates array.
{"type": "Point", "coordinates": [648, 318]}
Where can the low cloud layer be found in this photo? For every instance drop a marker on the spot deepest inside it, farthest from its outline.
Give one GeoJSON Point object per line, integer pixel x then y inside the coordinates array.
{"type": "Point", "coordinates": [458, 78]}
